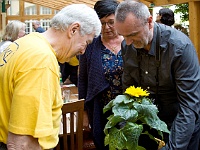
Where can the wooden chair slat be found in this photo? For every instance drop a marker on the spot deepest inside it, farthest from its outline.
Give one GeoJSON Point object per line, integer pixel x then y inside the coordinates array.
{"type": "Point", "coordinates": [74, 139]}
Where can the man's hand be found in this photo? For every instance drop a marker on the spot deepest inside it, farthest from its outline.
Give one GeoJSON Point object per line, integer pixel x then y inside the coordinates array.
{"type": "Point", "coordinates": [161, 143]}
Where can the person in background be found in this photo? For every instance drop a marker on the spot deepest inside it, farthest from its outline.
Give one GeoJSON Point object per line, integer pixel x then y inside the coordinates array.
{"type": "Point", "coordinates": [14, 29]}
{"type": "Point", "coordinates": [37, 27]}
{"type": "Point", "coordinates": [101, 71]}
{"type": "Point", "coordinates": [69, 70]}
{"type": "Point", "coordinates": [30, 99]}
{"type": "Point", "coordinates": [165, 16]}
{"type": "Point", "coordinates": [163, 61]}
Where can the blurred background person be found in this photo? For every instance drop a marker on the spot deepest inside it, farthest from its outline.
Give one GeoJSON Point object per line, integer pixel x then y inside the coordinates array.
{"type": "Point", "coordinates": [165, 16]}
{"type": "Point", "coordinates": [69, 71]}
{"type": "Point", "coordinates": [101, 71]}
{"type": "Point", "coordinates": [37, 26]}
{"type": "Point", "coordinates": [14, 29]}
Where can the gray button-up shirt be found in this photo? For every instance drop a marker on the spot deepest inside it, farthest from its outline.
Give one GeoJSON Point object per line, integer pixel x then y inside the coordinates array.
{"type": "Point", "coordinates": [179, 80]}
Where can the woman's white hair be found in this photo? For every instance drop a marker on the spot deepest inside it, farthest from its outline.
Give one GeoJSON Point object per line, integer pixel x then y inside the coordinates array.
{"type": "Point", "coordinates": [12, 30]}
{"type": "Point", "coordinates": [81, 13]}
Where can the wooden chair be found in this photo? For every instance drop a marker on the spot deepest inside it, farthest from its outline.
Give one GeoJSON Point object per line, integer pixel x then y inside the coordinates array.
{"type": "Point", "coordinates": [74, 139]}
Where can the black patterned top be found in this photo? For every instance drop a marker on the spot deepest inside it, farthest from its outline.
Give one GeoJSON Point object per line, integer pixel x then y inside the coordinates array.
{"type": "Point", "coordinates": [112, 66]}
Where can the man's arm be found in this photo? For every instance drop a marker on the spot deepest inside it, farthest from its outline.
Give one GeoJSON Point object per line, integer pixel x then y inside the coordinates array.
{"type": "Point", "coordinates": [22, 142]}
{"type": "Point", "coordinates": [186, 68]}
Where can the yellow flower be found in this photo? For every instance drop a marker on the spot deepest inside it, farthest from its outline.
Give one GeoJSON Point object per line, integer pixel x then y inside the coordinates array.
{"type": "Point", "coordinates": [136, 92]}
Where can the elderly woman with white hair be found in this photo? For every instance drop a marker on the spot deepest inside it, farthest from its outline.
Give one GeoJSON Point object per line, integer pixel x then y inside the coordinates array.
{"type": "Point", "coordinates": [14, 30]}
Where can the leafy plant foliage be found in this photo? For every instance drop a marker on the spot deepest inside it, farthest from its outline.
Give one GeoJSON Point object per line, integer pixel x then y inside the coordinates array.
{"type": "Point", "coordinates": [183, 10]}
{"type": "Point", "coordinates": [122, 129]}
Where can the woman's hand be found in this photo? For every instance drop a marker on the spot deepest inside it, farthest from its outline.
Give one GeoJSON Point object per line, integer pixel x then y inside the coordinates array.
{"type": "Point", "coordinates": [85, 121]}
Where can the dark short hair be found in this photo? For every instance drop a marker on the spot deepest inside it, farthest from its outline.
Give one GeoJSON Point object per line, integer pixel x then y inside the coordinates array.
{"type": "Point", "coordinates": [105, 8]}
{"type": "Point", "coordinates": [167, 16]}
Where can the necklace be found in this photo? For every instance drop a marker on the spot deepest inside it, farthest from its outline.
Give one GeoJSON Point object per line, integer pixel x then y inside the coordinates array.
{"type": "Point", "coordinates": [113, 44]}
{"type": "Point", "coordinates": [113, 48]}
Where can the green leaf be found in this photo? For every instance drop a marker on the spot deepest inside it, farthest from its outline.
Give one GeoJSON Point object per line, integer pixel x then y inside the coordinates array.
{"type": "Point", "coordinates": [132, 132]}
{"type": "Point", "coordinates": [120, 99]}
{"type": "Point", "coordinates": [106, 140]}
{"type": "Point", "coordinates": [112, 147]}
{"type": "Point", "coordinates": [110, 116]}
{"type": "Point", "coordinates": [140, 148]}
{"type": "Point", "coordinates": [128, 100]}
{"type": "Point", "coordinates": [117, 139]}
{"type": "Point", "coordinates": [125, 112]}
{"type": "Point", "coordinates": [112, 122]}
{"type": "Point", "coordinates": [146, 101]}
{"type": "Point", "coordinates": [149, 113]}
{"type": "Point", "coordinates": [108, 106]}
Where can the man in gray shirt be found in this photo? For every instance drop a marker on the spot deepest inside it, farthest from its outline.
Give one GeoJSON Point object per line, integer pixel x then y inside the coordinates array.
{"type": "Point", "coordinates": [162, 60]}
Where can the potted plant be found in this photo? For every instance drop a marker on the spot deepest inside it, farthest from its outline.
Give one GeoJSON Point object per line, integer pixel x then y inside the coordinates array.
{"type": "Point", "coordinates": [122, 129]}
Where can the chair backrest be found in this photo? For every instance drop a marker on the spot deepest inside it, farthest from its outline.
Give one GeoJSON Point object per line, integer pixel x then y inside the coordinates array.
{"type": "Point", "coordinates": [72, 118]}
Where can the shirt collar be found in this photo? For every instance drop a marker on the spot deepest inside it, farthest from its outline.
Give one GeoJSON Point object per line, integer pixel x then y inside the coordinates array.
{"type": "Point", "coordinates": [152, 50]}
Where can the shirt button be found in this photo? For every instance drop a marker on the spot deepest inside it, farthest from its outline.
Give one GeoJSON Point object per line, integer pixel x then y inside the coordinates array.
{"type": "Point", "coordinates": [146, 72]}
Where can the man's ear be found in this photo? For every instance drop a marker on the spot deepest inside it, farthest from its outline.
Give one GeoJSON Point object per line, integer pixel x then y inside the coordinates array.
{"type": "Point", "coordinates": [150, 21]}
{"type": "Point", "coordinates": [73, 29]}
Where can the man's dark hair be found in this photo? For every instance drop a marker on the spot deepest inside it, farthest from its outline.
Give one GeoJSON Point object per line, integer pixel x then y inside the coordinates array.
{"type": "Point", "coordinates": [105, 7]}
{"type": "Point", "coordinates": [167, 16]}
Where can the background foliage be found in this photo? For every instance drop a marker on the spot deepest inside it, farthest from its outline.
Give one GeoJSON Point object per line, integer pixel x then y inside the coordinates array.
{"type": "Point", "coordinates": [183, 10]}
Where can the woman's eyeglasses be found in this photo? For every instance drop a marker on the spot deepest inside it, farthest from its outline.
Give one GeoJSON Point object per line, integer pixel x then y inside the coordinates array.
{"type": "Point", "coordinates": [110, 23]}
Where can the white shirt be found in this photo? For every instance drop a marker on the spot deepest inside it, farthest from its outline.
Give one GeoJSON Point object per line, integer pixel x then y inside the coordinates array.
{"type": "Point", "coordinates": [4, 45]}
